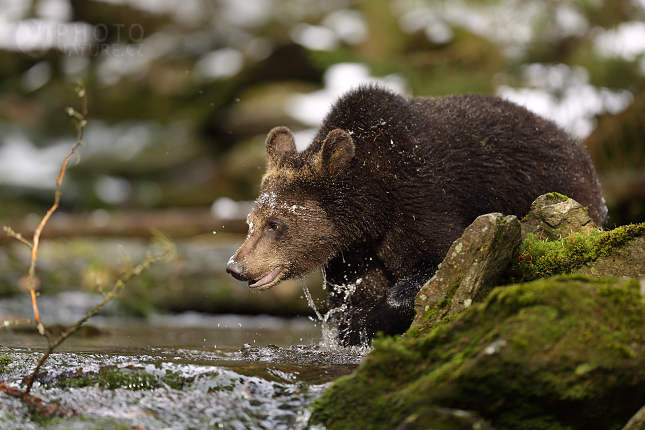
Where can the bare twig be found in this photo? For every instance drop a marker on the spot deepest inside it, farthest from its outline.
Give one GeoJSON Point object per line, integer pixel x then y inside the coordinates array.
{"type": "Point", "coordinates": [36, 404]}
{"type": "Point", "coordinates": [166, 252]}
{"type": "Point", "coordinates": [79, 121]}
{"type": "Point", "coordinates": [17, 236]}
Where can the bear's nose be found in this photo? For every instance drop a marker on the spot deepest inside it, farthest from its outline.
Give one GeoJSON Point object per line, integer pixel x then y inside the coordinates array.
{"type": "Point", "coordinates": [236, 269]}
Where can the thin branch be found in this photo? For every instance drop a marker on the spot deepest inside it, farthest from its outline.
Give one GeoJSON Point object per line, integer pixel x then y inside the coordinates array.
{"type": "Point", "coordinates": [166, 253]}
{"type": "Point", "coordinates": [36, 404]}
{"type": "Point", "coordinates": [80, 123]}
{"type": "Point", "coordinates": [17, 236]}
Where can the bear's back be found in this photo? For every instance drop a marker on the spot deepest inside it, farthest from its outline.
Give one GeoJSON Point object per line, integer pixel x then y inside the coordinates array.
{"type": "Point", "coordinates": [508, 153]}
{"type": "Point", "coordinates": [466, 155]}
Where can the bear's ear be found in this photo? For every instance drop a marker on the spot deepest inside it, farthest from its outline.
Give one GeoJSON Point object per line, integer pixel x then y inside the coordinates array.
{"type": "Point", "coordinates": [280, 143]}
{"type": "Point", "coordinates": [337, 150]}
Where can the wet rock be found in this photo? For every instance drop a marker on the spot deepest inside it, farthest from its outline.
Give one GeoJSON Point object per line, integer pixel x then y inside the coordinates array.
{"type": "Point", "coordinates": [554, 216]}
{"type": "Point", "coordinates": [627, 260]}
{"type": "Point", "coordinates": [474, 264]}
{"type": "Point", "coordinates": [4, 361]}
{"type": "Point", "coordinates": [566, 352]}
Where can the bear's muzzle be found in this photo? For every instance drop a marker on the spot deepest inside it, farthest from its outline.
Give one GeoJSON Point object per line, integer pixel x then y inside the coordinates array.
{"type": "Point", "coordinates": [236, 269]}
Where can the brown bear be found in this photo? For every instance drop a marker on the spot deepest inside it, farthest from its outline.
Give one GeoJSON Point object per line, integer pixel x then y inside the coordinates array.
{"type": "Point", "coordinates": [387, 185]}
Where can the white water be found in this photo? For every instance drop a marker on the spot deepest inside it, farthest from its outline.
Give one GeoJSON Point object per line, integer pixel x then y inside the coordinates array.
{"type": "Point", "coordinates": [247, 381]}
{"type": "Point", "coordinates": [329, 341]}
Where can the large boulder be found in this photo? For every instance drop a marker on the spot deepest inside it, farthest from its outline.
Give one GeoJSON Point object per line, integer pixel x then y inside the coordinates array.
{"type": "Point", "coordinates": [566, 352]}
{"type": "Point", "coordinates": [557, 237]}
{"type": "Point", "coordinates": [474, 264]}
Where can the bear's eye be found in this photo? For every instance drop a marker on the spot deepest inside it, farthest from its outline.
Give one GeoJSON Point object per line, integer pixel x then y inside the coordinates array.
{"type": "Point", "coordinates": [273, 226]}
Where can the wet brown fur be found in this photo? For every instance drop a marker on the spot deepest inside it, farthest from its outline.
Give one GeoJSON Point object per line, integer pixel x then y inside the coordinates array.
{"type": "Point", "coordinates": [388, 184]}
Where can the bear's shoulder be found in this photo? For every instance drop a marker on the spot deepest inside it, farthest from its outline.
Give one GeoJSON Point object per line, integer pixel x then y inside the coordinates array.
{"type": "Point", "coordinates": [365, 110]}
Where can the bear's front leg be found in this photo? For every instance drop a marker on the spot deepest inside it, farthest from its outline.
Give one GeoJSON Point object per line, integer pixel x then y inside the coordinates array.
{"type": "Point", "coordinates": [390, 314]}
{"type": "Point", "coordinates": [355, 281]}
{"type": "Point", "coordinates": [367, 298]}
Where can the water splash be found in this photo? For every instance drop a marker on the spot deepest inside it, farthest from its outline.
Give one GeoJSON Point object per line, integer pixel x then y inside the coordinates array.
{"type": "Point", "coordinates": [330, 319]}
{"type": "Point", "coordinates": [310, 300]}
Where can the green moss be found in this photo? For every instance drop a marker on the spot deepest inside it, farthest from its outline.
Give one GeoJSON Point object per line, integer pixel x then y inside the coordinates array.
{"type": "Point", "coordinates": [538, 258]}
{"type": "Point", "coordinates": [4, 361]}
{"type": "Point", "coordinates": [133, 379]}
{"type": "Point", "coordinates": [436, 315]}
{"type": "Point", "coordinates": [557, 196]}
{"type": "Point", "coordinates": [499, 234]}
{"type": "Point", "coordinates": [561, 353]}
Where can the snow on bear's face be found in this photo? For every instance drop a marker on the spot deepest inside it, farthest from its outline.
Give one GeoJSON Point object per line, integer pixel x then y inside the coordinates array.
{"type": "Point", "coordinates": [289, 232]}
{"type": "Point", "coordinates": [286, 239]}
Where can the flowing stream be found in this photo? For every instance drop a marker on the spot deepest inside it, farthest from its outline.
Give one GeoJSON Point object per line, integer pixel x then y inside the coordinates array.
{"type": "Point", "coordinates": [177, 372]}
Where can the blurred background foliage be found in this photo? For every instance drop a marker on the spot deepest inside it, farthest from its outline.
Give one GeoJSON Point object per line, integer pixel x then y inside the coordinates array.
{"type": "Point", "coordinates": [182, 94]}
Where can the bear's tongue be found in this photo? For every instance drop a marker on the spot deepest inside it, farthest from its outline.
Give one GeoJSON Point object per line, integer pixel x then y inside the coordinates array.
{"type": "Point", "coordinates": [267, 278]}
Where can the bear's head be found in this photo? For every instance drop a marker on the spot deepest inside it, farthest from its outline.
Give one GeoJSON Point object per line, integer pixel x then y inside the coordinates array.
{"type": "Point", "coordinates": [290, 229]}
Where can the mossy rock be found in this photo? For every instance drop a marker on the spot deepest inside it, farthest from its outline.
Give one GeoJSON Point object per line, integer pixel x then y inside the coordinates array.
{"type": "Point", "coordinates": [566, 352]}
{"type": "Point", "coordinates": [473, 265]}
{"type": "Point", "coordinates": [113, 378]}
{"type": "Point", "coordinates": [553, 216]}
{"type": "Point", "coordinates": [437, 418]}
{"type": "Point", "coordinates": [617, 252]}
